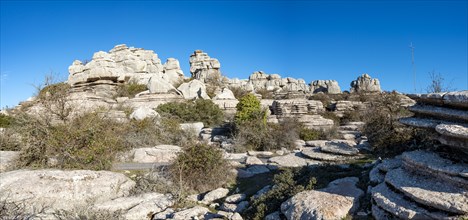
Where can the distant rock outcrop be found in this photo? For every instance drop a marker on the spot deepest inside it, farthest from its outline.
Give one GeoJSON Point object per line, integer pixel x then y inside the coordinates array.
{"type": "Point", "coordinates": [123, 64]}
{"type": "Point", "coordinates": [365, 83]}
{"type": "Point", "coordinates": [325, 86]}
{"type": "Point", "coordinates": [203, 67]}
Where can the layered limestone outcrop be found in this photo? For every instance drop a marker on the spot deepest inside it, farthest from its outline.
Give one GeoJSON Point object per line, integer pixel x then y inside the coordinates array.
{"type": "Point", "coordinates": [325, 86]}
{"type": "Point", "coordinates": [365, 83]}
{"type": "Point", "coordinates": [123, 64]}
{"type": "Point", "coordinates": [428, 184]}
{"type": "Point", "coordinates": [203, 67]}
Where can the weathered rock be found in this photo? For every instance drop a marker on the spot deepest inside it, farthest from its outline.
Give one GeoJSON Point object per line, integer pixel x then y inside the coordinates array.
{"type": "Point", "coordinates": [273, 216]}
{"type": "Point", "coordinates": [397, 205]}
{"type": "Point", "coordinates": [316, 143]}
{"type": "Point", "coordinates": [257, 169]}
{"type": "Point", "coordinates": [229, 207]}
{"type": "Point", "coordinates": [7, 159]}
{"type": "Point", "coordinates": [431, 164]}
{"type": "Point", "coordinates": [215, 195]}
{"type": "Point", "coordinates": [441, 113]}
{"type": "Point", "coordinates": [334, 202]}
{"type": "Point", "coordinates": [291, 160]}
{"type": "Point", "coordinates": [429, 192]}
{"type": "Point", "coordinates": [157, 154]}
{"type": "Point", "coordinates": [191, 213]}
{"type": "Point", "coordinates": [316, 154]}
{"type": "Point", "coordinates": [203, 67]}
{"type": "Point", "coordinates": [66, 190]}
{"type": "Point", "coordinates": [136, 207]}
{"type": "Point", "coordinates": [325, 86]}
{"type": "Point", "coordinates": [157, 85]}
{"type": "Point", "coordinates": [390, 164]}
{"type": "Point", "coordinates": [236, 198]}
{"type": "Point", "coordinates": [456, 131]}
{"type": "Point", "coordinates": [259, 153]}
{"type": "Point", "coordinates": [196, 127]}
{"type": "Point", "coordinates": [316, 122]}
{"type": "Point", "coordinates": [380, 214]}
{"type": "Point", "coordinates": [253, 161]}
{"type": "Point", "coordinates": [420, 122]}
{"type": "Point", "coordinates": [194, 89]}
{"type": "Point", "coordinates": [143, 112]}
{"type": "Point", "coordinates": [457, 99]}
{"type": "Point", "coordinates": [341, 147]}
{"type": "Point", "coordinates": [224, 94]}
{"type": "Point", "coordinates": [375, 175]}
{"type": "Point", "coordinates": [289, 107]}
{"type": "Point", "coordinates": [365, 83]}
{"type": "Point", "coordinates": [262, 191]}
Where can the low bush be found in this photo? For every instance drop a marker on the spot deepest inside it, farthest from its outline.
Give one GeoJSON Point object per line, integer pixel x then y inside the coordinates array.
{"type": "Point", "coordinates": [5, 121]}
{"type": "Point", "coordinates": [266, 94]}
{"type": "Point", "coordinates": [238, 92]}
{"type": "Point", "coordinates": [249, 109]}
{"type": "Point", "coordinates": [351, 116]}
{"type": "Point", "coordinates": [322, 97]}
{"type": "Point", "coordinates": [200, 168]}
{"type": "Point", "coordinates": [87, 142]}
{"type": "Point", "coordinates": [308, 134]}
{"type": "Point", "coordinates": [199, 110]}
{"type": "Point", "coordinates": [130, 89]}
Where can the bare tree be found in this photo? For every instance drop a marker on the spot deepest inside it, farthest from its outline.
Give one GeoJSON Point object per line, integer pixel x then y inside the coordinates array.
{"type": "Point", "coordinates": [53, 96]}
{"type": "Point", "coordinates": [437, 83]}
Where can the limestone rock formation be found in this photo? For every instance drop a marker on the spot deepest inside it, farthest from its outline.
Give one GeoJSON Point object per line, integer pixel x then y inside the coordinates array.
{"type": "Point", "coordinates": [62, 190]}
{"type": "Point", "coordinates": [143, 112]}
{"type": "Point", "coordinates": [365, 83]}
{"type": "Point", "coordinates": [338, 199]}
{"type": "Point", "coordinates": [226, 100]}
{"type": "Point", "coordinates": [325, 86]}
{"type": "Point", "coordinates": [194, 89]}
{"type": "Point", "coordinates": [203, 67]}
{"type": "Point", "coordinates": [123, 64]}
{"type": "Point", "coordinates": [157, 154]}
{"type": "Point", "coordinates": [289, 107]}
{"type": "Point", "coordinates": [428, 184]}
{"type": "Point", "coordinates": [7, 158]}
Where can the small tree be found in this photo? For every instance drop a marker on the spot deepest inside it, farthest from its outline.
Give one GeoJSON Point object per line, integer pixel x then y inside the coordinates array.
{"type": "Point", "coordinates": [248, 109]}
{"type": "Point", "coordinates": [437, 83]}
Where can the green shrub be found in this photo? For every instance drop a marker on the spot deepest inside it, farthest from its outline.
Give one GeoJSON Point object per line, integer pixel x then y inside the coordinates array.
{"type": "Point", "coordinates": [199, 110]}
{"type": "Point", "coordinates": [332, 116]}
{"type": "Point", "coordinates": [351, 116]}
{"type": "Point", "coordinates": [308, 134]}
{"type": "Point", "coordinates": [200, 168]}
{"type": "Point", "coordinates": [249, 109]}
{"type": "Point", "coordinates": [130, 89]}
{"type": "Point", "coordinates": [5, 121]}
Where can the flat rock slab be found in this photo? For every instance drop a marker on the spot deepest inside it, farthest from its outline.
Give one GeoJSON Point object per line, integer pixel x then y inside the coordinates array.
{"type": "Point", "coordinates": [66, 190]}
{"type": "Point", "coordinates": [420, 122]}
{"type": "Point", "coordinates": [441, 112]}
{"type": "Point", "coordinates": [376, 176]}
{"type": "Point", "coordinates": [398, 206]}
{"type": "Point", "coordinates": [380, 214]}
{"type": "Point", "coordinates": [429, 192]}
{"type": "Point", "coordinates": [341, 147]}
{"type": "Point", "coordinates": [316, 154]}
{"type": "Point", "coordinates": [458, 98]}
{"type": "Point", "coordinates": [291, 160]}
{"type": "Point", "coordinates": [389, 164]}
{"type": "Point", "coordinates": [434, 164]}
{"type": "Point", "coordinates": [191, 213]}
{"type": "Point", "coordinates": [456, 131]}
{"type": "Point", "coordinates": [157, 154]}
{"type": "Point", "coordinates": [136, 207]}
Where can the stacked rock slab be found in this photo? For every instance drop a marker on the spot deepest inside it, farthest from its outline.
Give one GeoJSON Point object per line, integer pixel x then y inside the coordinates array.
{"type": "Point", "coordinates": [427, 184]}
{"type": "Point", "coordinates": [123, 64]}
{"type": "Point", "coordinates": [203, 67]}
{"type": "Point", "coordinates": [365, 83]}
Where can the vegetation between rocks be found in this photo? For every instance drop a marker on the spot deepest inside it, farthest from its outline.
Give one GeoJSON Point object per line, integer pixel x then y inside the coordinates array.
{"type": "Point", "coordinates": [199, 110]}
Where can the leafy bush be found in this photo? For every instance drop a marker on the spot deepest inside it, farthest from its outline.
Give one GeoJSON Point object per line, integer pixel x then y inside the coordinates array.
{"type": "Point", "coordinates": [130, 89]}
{"type": "Point", "coordinates": [5, 121]}
{"type": "Point", "coordinates": [249, 109]}
{"type": "Point", "coordinates": [199, 110]}
{"type": "Point", "coordinates": [86, 142]}
{"type": "Point", "coordinates": [200, 168]}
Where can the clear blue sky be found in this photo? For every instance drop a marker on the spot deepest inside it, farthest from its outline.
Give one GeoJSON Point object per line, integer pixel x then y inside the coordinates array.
{"type": "Point", "coordinates": [303, 39]}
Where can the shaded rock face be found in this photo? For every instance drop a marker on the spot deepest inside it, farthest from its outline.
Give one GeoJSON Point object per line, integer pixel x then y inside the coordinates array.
{"type": "Point", "coordinates": [325, 86]}
{"type": "Point", "coordinates": [194, 89]}
{"type": "Point", "coordinates": [203, 67]}
{"type": "Point", "coordinates": [66, 190]}
{"type": "Point", "coordinates": [123, 64]}
{"type": "Point", "coordinates": [428, 184]}
{"type": "Point", "coordinates": [365, 83]}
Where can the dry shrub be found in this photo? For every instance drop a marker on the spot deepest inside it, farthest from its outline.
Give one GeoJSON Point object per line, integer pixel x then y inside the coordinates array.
{"type": "Point", "coordinates": [238, 92]}
{"type": "Point", "coordinates": [265, 93]}
{"type": "Point", "coordinates": [199, 110]}
{"type": "Point", "coordinates": [324, 98]}
{"type": "Point", "coordinates": [386, 135]}
{"type": "Point", "coordinates": [130, 89]}
{"type": "Point", "coordinates": [200, 168]}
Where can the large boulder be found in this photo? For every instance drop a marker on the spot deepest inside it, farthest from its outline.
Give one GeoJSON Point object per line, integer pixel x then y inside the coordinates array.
{"type": "Point", "coordinates": [62, 190]}
{"type": "Point", "coordinates": [325, 86]}
{"type": "Point", "coordinates": [143, 112]}
{"type": "Point", "coordinates": [194, 89]}
{"type": "Point", "coordinates": [337, 200]}
{"type": "Point", "coordinates": [224, 94]}
{"type": "Point", "coordinates": [157, 84]}
{"type": "Point", "coordinates": [172, 72]}
{"type": "Point", "coordinates": [365, 83]}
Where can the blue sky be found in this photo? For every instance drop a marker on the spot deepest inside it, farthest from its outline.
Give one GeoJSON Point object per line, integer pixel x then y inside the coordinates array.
{"type": "Point", "coordinates": [303, 39]}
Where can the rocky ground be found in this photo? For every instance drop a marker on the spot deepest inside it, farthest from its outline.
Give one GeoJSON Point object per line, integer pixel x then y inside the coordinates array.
{"type": "Point", "coordinates": [418, 184]}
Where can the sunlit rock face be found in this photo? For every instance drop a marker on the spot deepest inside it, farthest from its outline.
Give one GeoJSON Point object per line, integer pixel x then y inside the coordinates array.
{"type": "Point", "coordinates": [325, 86]}
{"type": "Point", "coordinates": [365, 83]}
{"type": "Point", "coordinates": [203, 67]}
{"type": "Point", "coordinates": [124, 64]}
